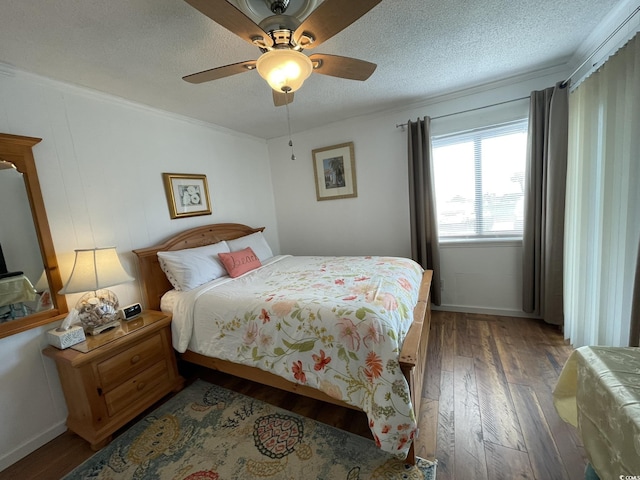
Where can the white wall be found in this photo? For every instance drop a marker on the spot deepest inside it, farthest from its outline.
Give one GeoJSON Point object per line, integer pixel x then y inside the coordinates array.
{"type": "Point", "coordinates": [481, 278]}
{"type": "Point", "coordinates": [372, 223]}
{"type": "Point", "coordinates": [100, 166]}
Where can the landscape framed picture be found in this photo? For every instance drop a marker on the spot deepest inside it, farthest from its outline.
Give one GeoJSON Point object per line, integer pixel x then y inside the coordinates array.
{"type": "Point", "coordinates": [335, 172]}
{"type": "Point", "coordinates": [187, 194]}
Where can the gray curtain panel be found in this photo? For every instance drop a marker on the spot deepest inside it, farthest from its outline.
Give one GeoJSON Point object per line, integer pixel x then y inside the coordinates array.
{"type": "Point", "coordinates": [422, 203]}
{"type": "Point", "coordinates": [545, 187]}
{"type": "Point", "coordinates": [634, 330]}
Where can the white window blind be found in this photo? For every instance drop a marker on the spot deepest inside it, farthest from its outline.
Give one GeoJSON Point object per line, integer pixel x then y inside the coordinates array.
{"type": "Point", "coordinates": [479, 177]}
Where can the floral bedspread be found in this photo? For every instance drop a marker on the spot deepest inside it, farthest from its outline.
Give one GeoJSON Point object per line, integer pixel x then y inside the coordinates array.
{"type": "Point", "coordinates": [332, 323]}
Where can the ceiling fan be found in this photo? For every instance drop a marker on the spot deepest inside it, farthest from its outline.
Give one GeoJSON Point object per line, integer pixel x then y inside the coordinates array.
{"type": "Point", "coordinates": [281, 38]}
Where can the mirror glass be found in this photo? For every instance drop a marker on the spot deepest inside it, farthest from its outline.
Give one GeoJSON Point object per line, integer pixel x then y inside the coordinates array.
{"type": "Point", "coordinates": [23, 288]}
{"type": "Point", "coordinates": [29, 276]}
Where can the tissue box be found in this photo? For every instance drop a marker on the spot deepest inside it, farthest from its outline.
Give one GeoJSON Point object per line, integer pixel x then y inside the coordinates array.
{"type": "Point", "coordinates": [65, 338]}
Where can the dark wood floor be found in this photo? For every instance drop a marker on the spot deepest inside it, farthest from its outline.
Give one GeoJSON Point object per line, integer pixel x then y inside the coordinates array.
{"type": "Point", "coordinates": [487, 410]}
{"type": "Point", "coordinates": [491, 380]}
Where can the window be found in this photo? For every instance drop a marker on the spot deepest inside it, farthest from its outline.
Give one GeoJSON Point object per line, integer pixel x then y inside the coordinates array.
{"type": "Point", "coordinates": [479, 178]}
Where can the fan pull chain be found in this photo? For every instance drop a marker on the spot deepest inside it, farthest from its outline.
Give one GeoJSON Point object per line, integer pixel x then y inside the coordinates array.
{"type": "Point", "coordinates": [286, 103]}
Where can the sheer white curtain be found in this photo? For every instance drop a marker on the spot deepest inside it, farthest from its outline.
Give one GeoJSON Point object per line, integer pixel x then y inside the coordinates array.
{"type": "Point", "coordinates": [602, 223]}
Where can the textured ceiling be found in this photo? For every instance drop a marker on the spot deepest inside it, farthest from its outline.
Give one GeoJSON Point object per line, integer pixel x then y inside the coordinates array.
{"type": "Point", "coordinates": [140, 50]}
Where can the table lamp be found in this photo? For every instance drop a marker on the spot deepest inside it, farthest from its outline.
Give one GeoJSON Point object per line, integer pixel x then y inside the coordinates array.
{"type": "Point", "coordinates": [93, 271]}
{"type": "Point", "coordinates": [44, 295]}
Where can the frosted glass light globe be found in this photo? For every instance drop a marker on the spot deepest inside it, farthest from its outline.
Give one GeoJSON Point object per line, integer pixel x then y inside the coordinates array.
{"type": "Point", "coordinates": [284, 70]}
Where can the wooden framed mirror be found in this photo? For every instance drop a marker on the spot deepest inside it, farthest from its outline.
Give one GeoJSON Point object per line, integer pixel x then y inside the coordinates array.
{"type": "Point", "coordinates": [16, 153]}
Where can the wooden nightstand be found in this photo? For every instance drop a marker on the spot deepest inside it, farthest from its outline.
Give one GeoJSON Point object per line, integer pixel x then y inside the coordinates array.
{"type": "Point", "coordinates": [112, 377]}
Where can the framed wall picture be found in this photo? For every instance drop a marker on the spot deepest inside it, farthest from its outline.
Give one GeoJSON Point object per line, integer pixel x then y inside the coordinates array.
{"type": "Point", "coordinates": [335, 172]}
{"type": "Point", "coordinates": [187, 194]}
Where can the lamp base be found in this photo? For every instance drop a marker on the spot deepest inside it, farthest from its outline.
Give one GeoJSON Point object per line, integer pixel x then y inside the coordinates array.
{"type": "Point", "coordinates": [102, 328]}
{"type": "Point", "coordinates": [98, 311]}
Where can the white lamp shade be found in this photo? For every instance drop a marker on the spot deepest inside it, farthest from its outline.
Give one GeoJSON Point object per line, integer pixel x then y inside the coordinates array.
{"type": "Point", "coordinates": [42, 284]}
{"type": "Point", "coordinates": [284, 70]}
{"type": "Point", "coordinates": [95, 269]}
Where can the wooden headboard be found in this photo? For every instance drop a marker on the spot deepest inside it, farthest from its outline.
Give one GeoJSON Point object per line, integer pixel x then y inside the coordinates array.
{"type": "Point", "coordinates": [154, 281]}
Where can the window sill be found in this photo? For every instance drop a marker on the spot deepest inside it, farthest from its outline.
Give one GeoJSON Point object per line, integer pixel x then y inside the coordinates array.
{"type": "Point", "coordinates": [480, 242]}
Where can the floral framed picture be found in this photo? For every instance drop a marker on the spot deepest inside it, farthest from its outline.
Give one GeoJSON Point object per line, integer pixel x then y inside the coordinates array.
{"type": "Point", "coordinates": [187, 194]}
{"type": "Point", "coordinates": [335, 172]}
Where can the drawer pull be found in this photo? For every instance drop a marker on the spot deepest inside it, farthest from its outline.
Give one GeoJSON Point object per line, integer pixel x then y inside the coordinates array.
{"type": "Point", "coordinates": [135, 359]}
{"type": "Point", "coordinates": [140, 386]}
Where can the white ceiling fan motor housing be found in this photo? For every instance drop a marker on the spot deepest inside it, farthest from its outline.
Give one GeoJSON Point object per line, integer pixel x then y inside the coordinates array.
{"type": "Point", "coordinates": [258, 10]}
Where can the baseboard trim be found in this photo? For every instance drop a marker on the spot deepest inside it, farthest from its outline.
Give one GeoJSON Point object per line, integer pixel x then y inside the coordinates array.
{"type": "Point", "coordinates": [32, 445]}
{"type": "Point", "coordinates": [483, 311]}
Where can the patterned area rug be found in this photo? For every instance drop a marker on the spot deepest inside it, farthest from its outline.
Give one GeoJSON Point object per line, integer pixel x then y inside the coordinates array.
{"type": "Point", "coordinates": [209, 433]}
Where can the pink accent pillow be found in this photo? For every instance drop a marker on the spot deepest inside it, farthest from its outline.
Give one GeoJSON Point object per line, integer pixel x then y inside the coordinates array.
{"type": "Point", "coordinates": [242, 261]}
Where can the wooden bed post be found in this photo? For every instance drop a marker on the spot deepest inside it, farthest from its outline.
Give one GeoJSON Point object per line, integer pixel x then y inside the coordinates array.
{"type": "Point", "coordinates": [414, 351]}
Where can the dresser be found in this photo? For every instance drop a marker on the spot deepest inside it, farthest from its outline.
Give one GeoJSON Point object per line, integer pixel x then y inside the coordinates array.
{"type": "Point", "coordinates": [111, 378]}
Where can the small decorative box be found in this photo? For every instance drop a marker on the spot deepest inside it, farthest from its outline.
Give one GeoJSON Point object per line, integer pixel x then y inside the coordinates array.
{"type": "Point", "coordinates": [62, 339]}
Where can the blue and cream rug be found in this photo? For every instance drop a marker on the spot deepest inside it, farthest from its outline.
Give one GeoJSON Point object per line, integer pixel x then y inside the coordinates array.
{"type": "Point", "coordinates": [209, 433]}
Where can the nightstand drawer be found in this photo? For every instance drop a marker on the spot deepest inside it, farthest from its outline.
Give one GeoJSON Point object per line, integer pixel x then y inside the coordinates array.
{"type": "Point", "coordinates": [114, 370]}
{"type": "Point", "coordinates": [140, 386]}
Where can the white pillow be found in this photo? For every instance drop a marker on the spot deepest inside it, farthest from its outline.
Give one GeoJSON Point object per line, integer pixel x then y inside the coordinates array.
{"type": "Point", "coordinates": [256, 241]}
{"type": "Point", "coordinates": [189, 268]}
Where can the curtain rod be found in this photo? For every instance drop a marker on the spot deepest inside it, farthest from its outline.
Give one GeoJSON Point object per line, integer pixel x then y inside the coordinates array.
{"type": "Point", "coordinates": [564, 84]}
{"type": "Point", "coordinates": [398, 125]}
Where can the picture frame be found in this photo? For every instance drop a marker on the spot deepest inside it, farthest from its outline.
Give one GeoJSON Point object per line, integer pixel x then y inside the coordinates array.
{"type": "Point", "coordinates": [334, 170]}
{"type": "Point", "coordinates": [187, 194]}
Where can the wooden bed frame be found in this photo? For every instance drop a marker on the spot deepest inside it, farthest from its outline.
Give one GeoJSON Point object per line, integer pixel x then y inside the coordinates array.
{"type": "Point", "coordinates": [412, 356]}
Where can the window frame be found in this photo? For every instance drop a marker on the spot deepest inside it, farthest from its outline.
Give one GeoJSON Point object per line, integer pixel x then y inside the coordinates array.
{"type": "Point", "coordinates": [476, 135]}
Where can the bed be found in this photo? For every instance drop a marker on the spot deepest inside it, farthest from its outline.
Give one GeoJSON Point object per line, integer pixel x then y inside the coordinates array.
{"type": "Point", "coordinates": [393, 428]}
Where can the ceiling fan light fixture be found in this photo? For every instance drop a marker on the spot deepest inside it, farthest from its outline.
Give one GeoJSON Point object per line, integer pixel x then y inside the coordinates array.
{"type": "Point", "coordinates": [284, 70]}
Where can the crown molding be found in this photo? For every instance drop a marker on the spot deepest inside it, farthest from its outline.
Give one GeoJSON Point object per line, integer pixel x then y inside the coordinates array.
{"type": "Point", "coordinates": [6, 70]}
{"type": "Point", "coordinates": [597, 40]}
{"type": "Point", "coordinates": [553, 70]}
{"type": "Point", "coordinates": [64, 87]}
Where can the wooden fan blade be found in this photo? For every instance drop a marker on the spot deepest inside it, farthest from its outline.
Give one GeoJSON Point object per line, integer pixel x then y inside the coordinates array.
{"type": "Point", "coordinates": [343, 67]}
{"type": "Point", "coordinates": [280, 98]}
{"type": "Point", "coordinates": [220, 72]}
{"type": "Point", "coordinates": [331, 17]}
{"type": "Point", "coordinates": [225, 14]}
